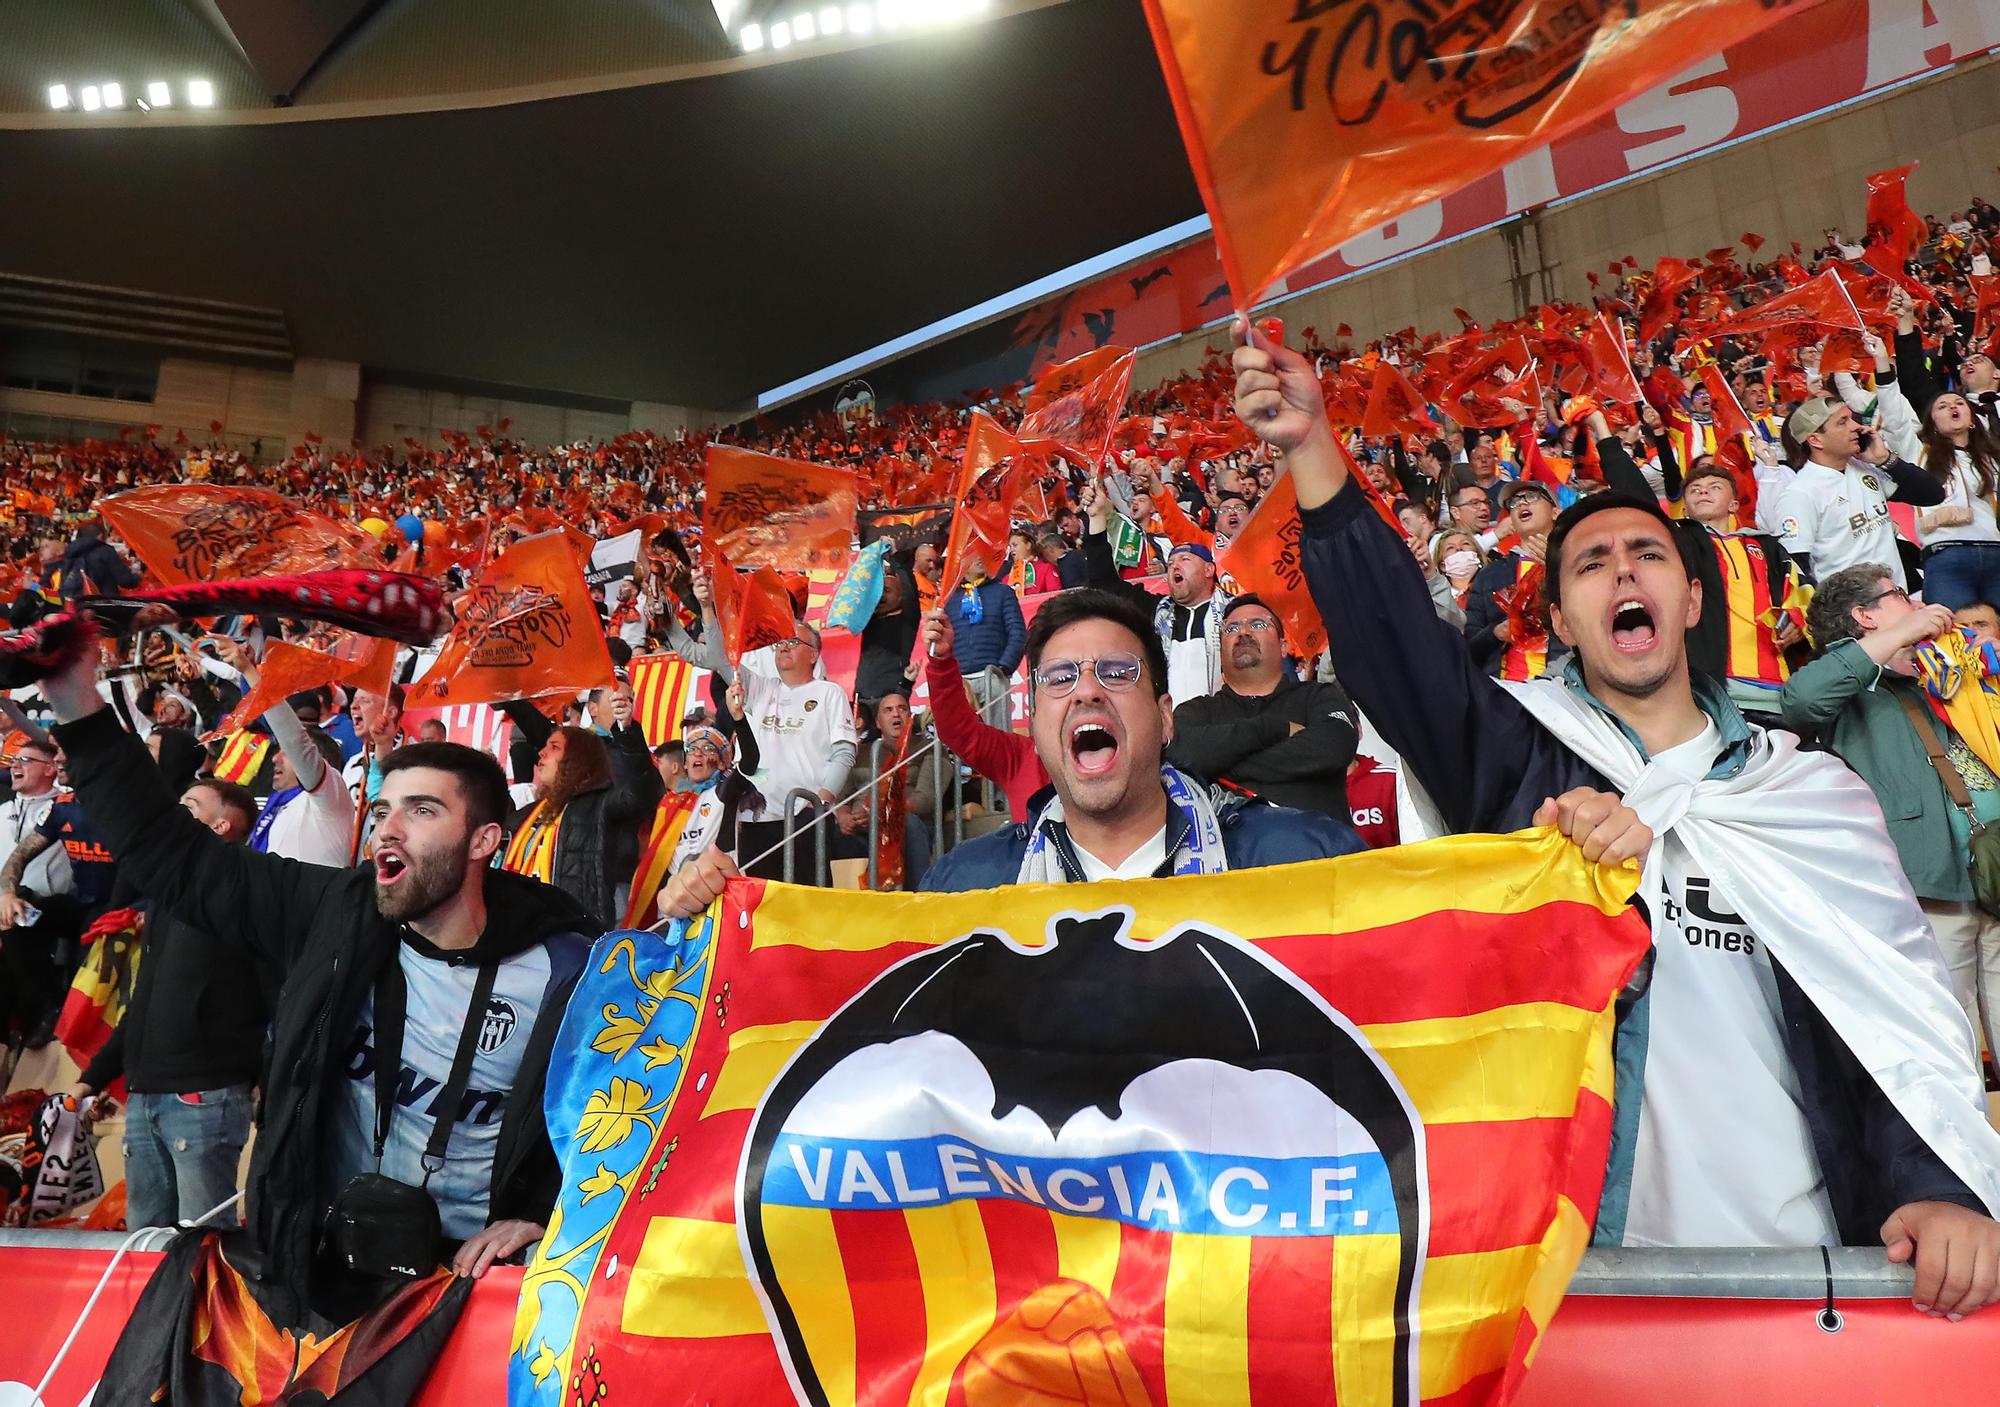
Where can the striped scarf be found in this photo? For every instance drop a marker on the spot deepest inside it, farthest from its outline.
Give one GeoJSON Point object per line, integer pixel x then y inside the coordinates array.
{"type": "Point", "coordinates": [532, 851]}
{"type": "Point", "coordinates": [1200, 853]}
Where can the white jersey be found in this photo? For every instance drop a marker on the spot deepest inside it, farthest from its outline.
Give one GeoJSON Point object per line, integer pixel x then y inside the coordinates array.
{"type": "Point", "coordinates": [1839, 518]}
{"type": "Point", "coordinates": [797, 726]}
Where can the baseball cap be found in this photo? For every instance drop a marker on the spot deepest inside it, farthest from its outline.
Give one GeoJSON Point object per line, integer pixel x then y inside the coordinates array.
{"type": "Point", "coordinates": [1518, 487]}
{"type": "Point", "coordinates": [1807, 419]}
{"type": "Point", "coordinates": [1196, 548]}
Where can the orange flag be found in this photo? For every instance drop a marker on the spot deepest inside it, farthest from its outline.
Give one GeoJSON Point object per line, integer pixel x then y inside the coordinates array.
{"type": "Point", "coordinates": [1474, 395]}
{"type": "Point", "coordinates": [1730, 421]}
{"type": "Point", "coordinates": [1894, 230]}
{"type": "Point", "coordinates": [1395, 407]}
{"type": "Point", "coordinates": [753, 611]}
{"type": "Point", "coordinates": [1986, 314]}
{"type": "Point", "coordinates": [1608, 361]}
{"type": "Point", "coordinates": [1670, 277]}
{"type": "Point", "coordinates": [1802, 312]}
{"type": "Point", "coordinates": [289, 669]}
{"type": "Point", "coordinates": [527, 627]}
{"type": "Point", "coordinates": [989, 485]}
{"type": "Point", "coordinates": [1265, 558]}
{"type": "Point", "coordinates": [1309, 124]}
{"type": "Point", "coordinates": [762, 511]}
{"type": "Point", "coordinates": [1075, 405]}
{"type": "Point", "coordinates": [187, 533]}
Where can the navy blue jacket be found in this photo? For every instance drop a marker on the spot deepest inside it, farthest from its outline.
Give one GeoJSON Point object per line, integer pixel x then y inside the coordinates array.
{"type": "Point", "coordinates": [1254, 834]}
{"type": "Point", "coordinates": [998, 637]}
{"type": "Point", "coordinates": [1488, 765]}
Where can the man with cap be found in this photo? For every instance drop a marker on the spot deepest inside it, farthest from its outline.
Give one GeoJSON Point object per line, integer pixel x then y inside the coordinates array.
{"type": "Point", "coordinates": [1835, 511]}
{"type": "Point", "coordinates": [1528, 511]}
{"type": "Point", "coordinates": [1188, 619]}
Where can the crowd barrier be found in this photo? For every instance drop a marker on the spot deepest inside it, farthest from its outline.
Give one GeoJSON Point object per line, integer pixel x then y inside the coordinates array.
{"type": "Point", "coordinates": [1641, 1328]}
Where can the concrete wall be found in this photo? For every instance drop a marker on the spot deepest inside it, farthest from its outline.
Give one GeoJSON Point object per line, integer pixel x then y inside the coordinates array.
{"type": "Point", "coordinates": [1789, 186]}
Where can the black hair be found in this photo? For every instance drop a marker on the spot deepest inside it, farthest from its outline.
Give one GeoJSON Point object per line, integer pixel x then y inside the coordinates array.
{"type": "Point", "coordinates": [621, 653]}
{"type": "Point", "coordinates": [1588, 508]}
{"type": "Point", "coordinates": [329, 747]}
{"type": "Point", "coordinates": [233, 796]}
{"type": "Point", "coordinates": [1251, 598]}
{"type": "Point", "coordinates": [1067, 608]}
{"type": "Point", "coordinates": [672, 747]}
{"type": "Point", "coordinates": [478, 773]}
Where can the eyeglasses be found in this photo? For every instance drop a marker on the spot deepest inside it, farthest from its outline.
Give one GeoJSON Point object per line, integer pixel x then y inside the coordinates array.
{"type": "Point", "coordinates": [1058, 677]}
{"type": "Point", "coordinates": [1885, 595]}
{"type": "Point", "coordinates": [1260, 624]}
{"type": "Point", "coordinates": [794, 643]}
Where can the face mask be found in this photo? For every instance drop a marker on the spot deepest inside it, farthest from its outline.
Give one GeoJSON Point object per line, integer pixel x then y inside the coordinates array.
{"type": "Point", "coordinates": [1461, 563]}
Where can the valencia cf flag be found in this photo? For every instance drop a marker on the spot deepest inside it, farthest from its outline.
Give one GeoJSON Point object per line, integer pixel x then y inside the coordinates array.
{"type": "Point", "coordinates": [1327, 1132]}
{"type": "Point", "coordinates": [763, 511]}
{"type": "Point", "coordinates": [525, 628]}
{"type": "Point", "coordinates": [205, 532]}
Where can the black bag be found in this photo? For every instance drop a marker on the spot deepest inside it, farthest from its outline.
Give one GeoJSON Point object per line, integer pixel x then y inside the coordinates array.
{"type": "Point", "coordinates": [380, 1226]}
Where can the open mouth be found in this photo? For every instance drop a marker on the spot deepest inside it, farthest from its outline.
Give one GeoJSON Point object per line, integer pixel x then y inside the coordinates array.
{"type": "Point", "coordinates": [1092, 749]}
{"type": "Point", "coordinates": [1632, 626]}
{"type": "Point", "coordinates": [389, 867]}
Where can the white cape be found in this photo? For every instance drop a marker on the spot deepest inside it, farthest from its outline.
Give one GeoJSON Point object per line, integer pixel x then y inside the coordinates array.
{"type": "Point", "coordinates": [1795, 843]}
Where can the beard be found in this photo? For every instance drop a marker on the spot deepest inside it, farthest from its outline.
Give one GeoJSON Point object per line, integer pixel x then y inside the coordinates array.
{"type": "Point", "coordinates": [428, 880]}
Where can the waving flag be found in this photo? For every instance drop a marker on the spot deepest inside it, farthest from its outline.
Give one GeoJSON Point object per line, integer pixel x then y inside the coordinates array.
{"type": "Point", "coordinates": [1310, 124]}
{"type": "Point", "coordinates": [186, 533]}
{"type": "Point", "coordinates": [663, 690]}
{"type": "Point", "coordinates": [1894, 230]}
{"type": "Point", "coordinates": [1075, 406]}
{"type": "Point", "coordinates": [989, 485]}
{"type": "Point", "coordinates": [1394, 406]}
{"type": "Point", "coordinates": [525, 628]}
{"type": "Point", "coordinates": [1804, 313]}
{"type": "Point", "coordinates": [1228, 1140]}
{"type": "Point", "coordinates": [763, 511]}
{"type": "Point", "coordinates": [753, 610]}
{"type": "Point", "coordinates": [289, 669]}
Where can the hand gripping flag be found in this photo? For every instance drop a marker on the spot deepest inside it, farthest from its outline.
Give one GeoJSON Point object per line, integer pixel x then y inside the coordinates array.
{"type": "Point", "coordinates": [1325, 1132]}
{"type": "Point", "coordinates": [763, 511]}
{"type": "Point", "coordinates": [1307, 125]}
{"type": "Point", "coordinates": [201, 532]}
{"type": "Point", "coordinates": [525, 628]}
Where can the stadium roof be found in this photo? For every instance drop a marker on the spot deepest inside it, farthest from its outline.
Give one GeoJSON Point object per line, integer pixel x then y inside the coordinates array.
{"type": "Point", "coordinates": [681, 223]}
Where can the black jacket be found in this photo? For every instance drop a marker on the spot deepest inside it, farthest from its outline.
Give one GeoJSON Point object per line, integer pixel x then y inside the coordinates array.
{"type": "Point", "coordinates": [1488, 765]}
{"type": "Point", "coordinates": [1248, 743]}
{"type": "Point", "coordinates": [1484, 614]}
{"type": "Point", "coordinates": [598, 843]}
{"type": "Point", "coordinates": [91, 565]}
{"type": "Point", "coordinates": [319, 929]}
{"type": "Point", "coordinates": [199, 1009]}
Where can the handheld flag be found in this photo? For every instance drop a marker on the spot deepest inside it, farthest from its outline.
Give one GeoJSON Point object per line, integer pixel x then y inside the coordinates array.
{"type": "Point", "coordinates": [753, 611]}
{"type": "Point", "coordinates": [526, 628]}
{"type": "Point", "coordinates": [1264, 558]}
{"type": "Point", "coordinates": [763, 511]}
{"type": "Point", "coordinates": [201, 532]}
{"type": "Point", "coordinates": [1075, 405]}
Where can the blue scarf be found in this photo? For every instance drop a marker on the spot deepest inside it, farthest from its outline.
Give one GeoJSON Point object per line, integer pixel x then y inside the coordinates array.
{"type": "Point", "coordinates": [260, 834]}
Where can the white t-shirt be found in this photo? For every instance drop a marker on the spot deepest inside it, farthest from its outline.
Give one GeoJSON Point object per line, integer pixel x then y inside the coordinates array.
{"type": "Point", "coordinates": [48, 872]}
{"type": "Point", "coordinates": [703, 828]}
{"type": "Point", "coordinates": [1140, 864]}
{"type": "Point", "coordinates": [438, 993]}
{"type": "Point", "coordinates": [315, 826]}
{"type": "Point", "coordinates": [1840, 518]}
{"type": "Point", "coordinates": [797, 727]}
{"type": "Point", "coordinates": [1962, 492]}
{"type": "Point", "coordinates": [1724, 1155]}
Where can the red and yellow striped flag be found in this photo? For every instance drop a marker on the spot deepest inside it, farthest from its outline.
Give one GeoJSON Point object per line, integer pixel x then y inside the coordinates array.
{"type": "Point", "coordinates": [670, 818]}
{"type": "Point", "coordinates": [663, 690]}
{"type": "Point", "coordinates": [242, 755]}
{"type": "Point", "coordinates": [1326, 1132]}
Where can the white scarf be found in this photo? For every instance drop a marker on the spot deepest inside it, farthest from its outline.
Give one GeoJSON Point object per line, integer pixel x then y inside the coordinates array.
{"type": "Point", "coordinates": [1795, 843]}
{"type": "Point", "coordinates": [1200, 853]}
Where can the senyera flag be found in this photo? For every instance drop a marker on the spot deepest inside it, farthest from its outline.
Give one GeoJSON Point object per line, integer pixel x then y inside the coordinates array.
{"type": "Point", "coordinates": [527, 627]}
{"type": "Point", "coordinates": [1309, 124]}
{"type": "Point", "coordinates": [205, 532]}
{"type": "Point", "coordinates": [763, 511]}
{"type": "Point", "coordinates": [1316, 1133]}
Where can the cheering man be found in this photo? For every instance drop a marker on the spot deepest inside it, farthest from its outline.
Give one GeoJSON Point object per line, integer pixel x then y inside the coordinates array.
{"type": "Point", "coordinates": [1797, 1071]}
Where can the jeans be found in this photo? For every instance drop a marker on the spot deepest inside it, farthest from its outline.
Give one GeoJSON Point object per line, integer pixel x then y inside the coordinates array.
{"type": "Point", "coordinates": [1960, 574]}
{"type": "Point", "coordinates": [181, 1158]}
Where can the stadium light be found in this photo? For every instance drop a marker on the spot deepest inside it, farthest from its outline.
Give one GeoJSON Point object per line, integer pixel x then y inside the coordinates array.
{"type": "Point", "coordinates": [159, 94]}
{"type": "Point", "coordinates": [860, 19]}
{"type": "Point", "coordinates": [201, 93]}
{"type": "Point", "coordinates": [751, 39]}
{"type": "Point", "coordinates": [114, 96]}
{"type": "Point", "coordinates": [802, 27]}
{"type": "Point", "coordinates": [889, 14]}
{"type": "Point", "coordinates": [90, 99]}
{"type": "Point", "coordinates": [58, 96]}
{"type": "Point", "coordinates": [781, 35]}
{"type": "Point", "coordinates": [829, 20]}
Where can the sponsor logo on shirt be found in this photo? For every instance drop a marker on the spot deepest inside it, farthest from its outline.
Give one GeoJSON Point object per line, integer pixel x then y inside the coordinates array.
{"type": "Point", "coordinates": [1704, 923]}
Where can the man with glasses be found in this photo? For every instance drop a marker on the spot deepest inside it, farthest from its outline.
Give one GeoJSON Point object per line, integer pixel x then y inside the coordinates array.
{"type": "Point", "coordinates": [1859, 696]}
{"type": "Point", "coordinates": [33, 986]}
{"type": "Point", "coordinates": [1472, 511]}
{"type": "Point", "coordinates": [1101, 720]}
{"type": "Point", "coordinates": [804, 727]}
{"type": "Point", "coordinates": [1530, 511]}
{"type": "Point", "coordinates": [1264, 732]}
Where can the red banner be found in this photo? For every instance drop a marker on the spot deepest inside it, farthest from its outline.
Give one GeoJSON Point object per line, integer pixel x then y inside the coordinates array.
{"type": "Point", "coordinates": [1837, 51]}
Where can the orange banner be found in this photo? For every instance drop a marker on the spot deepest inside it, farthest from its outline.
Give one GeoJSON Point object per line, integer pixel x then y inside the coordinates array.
{"type": "Point", "coordinates": [187, 533]}
{"type": "Point", "coordinates": [1802, 314]}
{"type": "Point", "coordinates": [527, 627]}
{"type": "Point", "coordinates": [763, 511]}
{"type": "Point", "coordinates": [754, 610]}
{"type": "Point", "coordinates": [1307, 125]}
{"type": "Point", "coordinates": [1265, 558]}
{"type": "Point", "coordinates": [989, 485]}
{"type": "Point", "coordinates": [289, 669]}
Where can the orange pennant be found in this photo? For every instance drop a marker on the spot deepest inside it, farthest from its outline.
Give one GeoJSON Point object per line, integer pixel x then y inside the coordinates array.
{"type": "Point", "coordinates": [1730, 421]}
{"type": "Point", "coordinates": [1608, 361]}
{"type": "Point", "coordinates": [989, 485]}
{"type": "Point", "coordinates": [1265, 558]}
{"type": "Point", "coordinates": [753, 610]}
{"type": "Point", "coordinates": [527, 627]}
{"type": "Point", "coordinates": [1798, 313]}
{"type": "Point", "coordinates": [762, 511]}
{"type": "Point", "coordinates": [289, 669]}
{"type": "Point", "coordinates": [1395, 407]}
{"type": "Point", "coordinates": [187, 533]}
{"type": "Point", "coordinates": [1307, 125]}
{"type": "Point", "coordinates": [1894, 230]}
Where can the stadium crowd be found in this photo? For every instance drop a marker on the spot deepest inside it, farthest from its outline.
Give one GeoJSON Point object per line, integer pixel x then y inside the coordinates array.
{"type": "Point", "coordinates": [1771, 555]}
